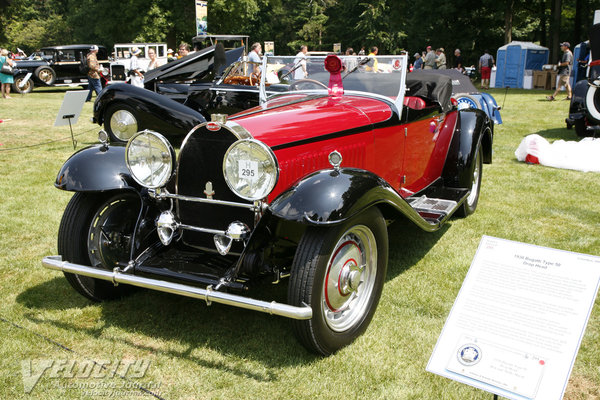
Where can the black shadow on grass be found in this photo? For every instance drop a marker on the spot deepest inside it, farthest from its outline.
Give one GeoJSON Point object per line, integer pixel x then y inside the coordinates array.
{"type": "Point", "coordinates": [408, 244]}
{"type": "Point", "coordinates": [558, 133]}
{"type": "Point", "coordinates": [228, 330]}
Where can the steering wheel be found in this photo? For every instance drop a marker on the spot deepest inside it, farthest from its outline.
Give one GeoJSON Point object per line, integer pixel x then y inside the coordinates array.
{"type": "Point", "coordinates": [309, 81]}
{"type": "Point", "coordinates": [255, 76]}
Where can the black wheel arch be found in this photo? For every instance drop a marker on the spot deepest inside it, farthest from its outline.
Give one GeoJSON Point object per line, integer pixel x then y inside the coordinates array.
{"type": "Point", "coordinates": [472, 127]}
{"type": "Point", "coordinates": [96, 168]}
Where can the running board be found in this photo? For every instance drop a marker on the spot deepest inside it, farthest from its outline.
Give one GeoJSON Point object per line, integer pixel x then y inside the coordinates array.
{"type": "Point", "coordinates": [209, 295]}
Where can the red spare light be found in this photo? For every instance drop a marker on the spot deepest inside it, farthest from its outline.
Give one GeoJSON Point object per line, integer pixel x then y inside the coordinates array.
{"type": "Point", "coordinates": [333, 64]}
{"type": "Point", "coordinates": [454, 101]}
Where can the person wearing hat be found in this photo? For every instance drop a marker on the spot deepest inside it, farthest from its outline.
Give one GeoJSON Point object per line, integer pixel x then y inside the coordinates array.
{"type": "Point", "coordinates": [137, 77]}
{"type": "Point", "coordinates": [170, 56]}
{"type": "Point", "coordinates": [429, 62]}
{"type": "Point", "coordinates": [418, 61]}
{"type": "Point", "coordinates": [564, 71]}
{"type": "Point", "coordinates": [93, 74]}
{"type": "Point", "coordinates": [440, 58]}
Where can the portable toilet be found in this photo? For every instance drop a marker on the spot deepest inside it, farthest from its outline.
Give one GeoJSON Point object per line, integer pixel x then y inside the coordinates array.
{"type": "Point", "coordinates": [514, 58]}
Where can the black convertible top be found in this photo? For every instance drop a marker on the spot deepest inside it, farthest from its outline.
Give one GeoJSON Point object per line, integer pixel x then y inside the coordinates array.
{"type": "Point", "coordinates": [431, 86]}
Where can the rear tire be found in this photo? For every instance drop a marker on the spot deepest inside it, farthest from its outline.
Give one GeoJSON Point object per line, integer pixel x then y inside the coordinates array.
{"type": "Point", "coordinates": [339, 272]}
{"type": "Point", "coordinates": [121, 122]}
{"type": "Point", "coordinates": [46, 75]}
{"type": "Point", "coordinates": [96, 230]}
{"type": "Point", "coordinates": [470, 204]}
{"type": "Point", "coordinates": [581, 128]}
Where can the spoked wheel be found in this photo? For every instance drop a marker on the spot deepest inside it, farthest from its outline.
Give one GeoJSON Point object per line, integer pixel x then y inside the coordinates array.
{"type": "Point", "coordinates": [306, 84]}
{"type": "Point", "coordinates": [470, 204]}
{"type": "Point", "coordinates": [27, 87]}
{"type": "Point", "coordinates": [97, 230]}
{"type": "Point", "coordinates": [120, 122]}
{"type": "Point", "coordinates": [46, 75]}
{"type": "Point", "coordinates": [339, 272]}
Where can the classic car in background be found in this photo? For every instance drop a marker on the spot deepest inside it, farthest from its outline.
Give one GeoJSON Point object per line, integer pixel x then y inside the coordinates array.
{"type": "Point", "coordinates": [55, 66]}
{"type": "Point", "coordinates": [206, 82]}
{"type": "Point", "coordinates": [467, 95]}
{"type": "Point", "coordinates": [121, 62]}
{"type": "Point", "coordinates": [584, 110]}
{"type": "Point", "coordinates": [302, 186]}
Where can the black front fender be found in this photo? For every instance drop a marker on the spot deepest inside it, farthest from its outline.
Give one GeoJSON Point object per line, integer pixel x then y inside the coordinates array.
{"type": "Point", "coordinates": [96, 168]}
{"type": "Point", "coordinates": [330, 197]}
{"type": "Point", "coordinates": [154, 111]}
{"type": "Point", "coordinates": [472, 127]}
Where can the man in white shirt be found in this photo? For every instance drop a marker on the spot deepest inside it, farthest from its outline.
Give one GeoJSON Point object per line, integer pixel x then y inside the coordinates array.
{"type": "Point", "coordinates": [254, 57]}
{"type": "Point", "coordinates": [300, 64]}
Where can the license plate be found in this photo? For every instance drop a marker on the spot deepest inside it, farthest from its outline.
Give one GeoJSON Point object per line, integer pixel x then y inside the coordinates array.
{"type": "Point", "coordinates": [248, 170]}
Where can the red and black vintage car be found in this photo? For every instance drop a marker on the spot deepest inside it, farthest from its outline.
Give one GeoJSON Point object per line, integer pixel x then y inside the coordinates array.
{"type": "Point", "coordinates": [302, 186]}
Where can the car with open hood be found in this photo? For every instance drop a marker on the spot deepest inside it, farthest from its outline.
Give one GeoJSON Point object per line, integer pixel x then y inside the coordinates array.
{"type": "Point", "coordinates": [299, 189]}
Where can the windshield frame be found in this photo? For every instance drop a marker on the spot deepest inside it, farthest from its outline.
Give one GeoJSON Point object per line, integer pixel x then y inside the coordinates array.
{"type": "Point", "coordinates": [400, 68]}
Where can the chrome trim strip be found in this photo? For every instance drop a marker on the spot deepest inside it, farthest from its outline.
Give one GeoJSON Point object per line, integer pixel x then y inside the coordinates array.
{"type": "Point", "coordinates": [239, 131]}
{"type": "Point", "coordinates": [203, 230]}
{"type": "Point", "coordinates": [165, 194]}
{"type": "Point", "coordinates": [209, 295]}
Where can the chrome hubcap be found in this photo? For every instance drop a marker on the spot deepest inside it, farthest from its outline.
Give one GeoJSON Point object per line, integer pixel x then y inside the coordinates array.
{"type": "Point", "coordinates": [45, 76]}
{"type": "Point", "coordinates": [350, 279]}
{"type": "Point", "coordinates": [123, 124]}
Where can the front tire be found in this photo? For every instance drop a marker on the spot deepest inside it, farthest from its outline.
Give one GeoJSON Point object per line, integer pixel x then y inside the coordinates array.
{"type": "Point", "coordinates": [96, 230]}
{"type": "Point", "coordinates": [121, 122]}
{"type": "Point", "coordinates": [27, 88]}
{"type": "Point", "coordinates": [339, 272]}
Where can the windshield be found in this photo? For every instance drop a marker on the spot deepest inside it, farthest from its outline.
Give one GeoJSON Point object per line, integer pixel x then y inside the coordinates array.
{"type": "Point", "coordinates": [382, 76]}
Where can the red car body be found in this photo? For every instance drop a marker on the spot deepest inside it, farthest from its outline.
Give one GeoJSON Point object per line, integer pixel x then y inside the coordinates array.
{"type": "Point", "coordinates": [301, 186]}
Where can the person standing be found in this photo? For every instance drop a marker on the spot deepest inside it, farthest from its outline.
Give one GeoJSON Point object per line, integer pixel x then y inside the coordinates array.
{"type": "Point", "coordinates": [458, 60]}
{"type": "Point", "coordinates": [373, 64]}
{"type": "Point", "coordinates": [418, 62]}
{"type": "Point", "coordinates": [137, 76]}
{"type": "Point", "coordinates": [300, 64]}
{"type": "Point", "coordinates": [254, 58]}
{"type": "Point", "coordinates": [429, 61]}
{"type": "Point", "coordinates": [440, 58]}
{"type": "Point", "coordinates": [153, 60]}
{"type": "Point", "coordinates": [6, 79]}
{"type": "Point", "coordinates": [564, 71]}
{"type": "Point", "coordinates": [486, 63]}
{"type": "Point", "coordinates": [184, 50]}
{"type": "Point", "coordinates": [350, 62]}
{"type": "Point", "coordinates": [93, 74]}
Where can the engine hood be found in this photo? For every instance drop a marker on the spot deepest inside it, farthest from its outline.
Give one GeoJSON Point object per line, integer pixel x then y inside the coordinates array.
{"type": "Point", "coordinates": [297, 119]}
{"type": "Point", "coordinates": [204, 64]}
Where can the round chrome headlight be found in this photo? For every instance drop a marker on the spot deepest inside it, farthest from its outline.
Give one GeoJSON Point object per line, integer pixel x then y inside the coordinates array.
{"type": "Point", "coordinates": [250, 169]}
{"type": "Point", "coordinates": [150, 158]}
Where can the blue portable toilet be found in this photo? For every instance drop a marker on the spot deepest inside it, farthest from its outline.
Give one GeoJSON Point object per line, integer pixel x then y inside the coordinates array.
{"type": "Point", "coordinates": [514, 58]}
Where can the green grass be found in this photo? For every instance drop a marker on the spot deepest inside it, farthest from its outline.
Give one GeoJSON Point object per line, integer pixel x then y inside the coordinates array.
{"type": "Point", "coordinates": [199, 352]}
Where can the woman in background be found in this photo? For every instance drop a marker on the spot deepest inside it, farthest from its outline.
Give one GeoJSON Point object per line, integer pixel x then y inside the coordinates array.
{"type": "Point", "coordinates": [5, 79]}
{"type": "Point", "coordinates": [153, 60]}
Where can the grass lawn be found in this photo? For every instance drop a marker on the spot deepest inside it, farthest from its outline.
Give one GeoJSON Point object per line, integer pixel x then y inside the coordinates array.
{"type": "Point", "coordinates": [200, 352]}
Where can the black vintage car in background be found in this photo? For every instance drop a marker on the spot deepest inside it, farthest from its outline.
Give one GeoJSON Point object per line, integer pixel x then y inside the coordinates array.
{"type": "Point", "coordinates": [181, 94]}
{"type": "Point", "coordinates": [55, 65]}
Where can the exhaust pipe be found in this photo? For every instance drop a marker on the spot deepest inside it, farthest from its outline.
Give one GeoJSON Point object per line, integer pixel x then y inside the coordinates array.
{"type": "Point", "coordinates": [208, 294]}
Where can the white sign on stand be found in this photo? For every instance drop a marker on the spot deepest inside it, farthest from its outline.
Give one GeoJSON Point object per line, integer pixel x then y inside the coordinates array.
{"type": "Point", "coordinates": [70, 110]}
{"type": "Point", "coordinates": [516, 325]}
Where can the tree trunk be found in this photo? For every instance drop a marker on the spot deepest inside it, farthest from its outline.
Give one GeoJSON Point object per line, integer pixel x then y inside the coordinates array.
{"type": "Point", "coordinates": [556, 14]}
{"type": "Point", "coordinates": [508, 21]}
{"type": "Point", "coordinates": [543, 22]}
{"type": "Point", "coordinates": [578, 37]}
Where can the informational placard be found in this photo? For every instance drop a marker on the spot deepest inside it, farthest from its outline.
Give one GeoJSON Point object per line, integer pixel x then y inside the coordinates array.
{"type": "Point", "coordinates": [518, 320]}
{"type": "Point", "coordinates": [337, 48]}
{"type": "Point", "coordinates": [71, 107]}
{"type": "Point", "coordinates": [201, 17]}
{"type": "Point", "coordinates": [269, 48]}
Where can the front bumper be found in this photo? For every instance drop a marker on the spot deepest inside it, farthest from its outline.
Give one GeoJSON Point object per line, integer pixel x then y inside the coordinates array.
{"type": "Point", "coordinates": [209, 295]}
